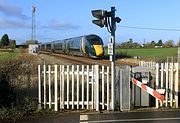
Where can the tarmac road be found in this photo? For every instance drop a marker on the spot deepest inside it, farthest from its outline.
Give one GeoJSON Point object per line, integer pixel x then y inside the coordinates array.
{"type": "Point", "coordinates": [168, 116]}
{"type": "Point", "coordinates": [131, 117]}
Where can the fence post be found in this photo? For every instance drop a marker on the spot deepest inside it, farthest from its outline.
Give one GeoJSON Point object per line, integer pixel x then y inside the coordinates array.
{"type": "Point", "coordinates": [103, 87]}
{"type": "Point", "coordinates": [157, 83]}
{"type": "Point", "coordinates": [44, 86]}
{"type": "Point", "coordinates": [167, 81]}
{"type": "Point", "coordinates": [77, 86]}
{"type": "Point", "coordinates": [176, 83]}
{"type": "Point", "coordinates": [82, 86]}
{"type": "Point", "coordinates": [62, 86]}
{"type": "Point", "coordinates": [87, 76]}
{"type": "Point", "coordinates": [55, 88]}
{"type": "Point", "coordinates": [96, 73]}
{"type": "Point", "coordinates": [171, 68]}
{"type": "Point", "coordinates": [162, 79]}
{"type": "Point", "coordinates": [39, 86]}
{"type": "Point", "coordinates": [67, 96]}
{"type": "Point", "coordinates": [92, 94]}
{"type": "Point", "coordinates": [73, 87]}
{"type": "Point", "coordinates": [49, 76]}
{"type": "Point", "coordinates": [108, 104]}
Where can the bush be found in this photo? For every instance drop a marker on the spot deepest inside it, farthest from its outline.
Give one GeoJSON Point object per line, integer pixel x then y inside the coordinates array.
{"type": "Point", "coordinates": [7, 94]}
{"type": "Point", "coordinates": [16, 79]}
{"type": "Point", "coordinates": [18, 89]}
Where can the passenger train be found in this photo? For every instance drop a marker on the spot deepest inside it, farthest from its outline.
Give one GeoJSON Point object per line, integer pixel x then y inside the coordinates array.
{"type": "Point", "coordinates": [87, 45]}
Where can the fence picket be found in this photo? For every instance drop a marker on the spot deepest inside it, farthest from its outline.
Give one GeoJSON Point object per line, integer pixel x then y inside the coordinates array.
{"type": "Point", "coordinates": [92, 92]}
{"type": "Point", "coordinates": [39, 86]}
{"type": "Point", "coordinates": [157, 83]}
{"type": "Point", "coordinates": [67, 95]}
{"type": "Point", "coordinates": [108, 91]}
{"type": "Point", "coordinates": [87, 81]}
{"type": "Point", "coordinates": [103, 87]}
{"type": "Point", "coordinates": [171, 83]}
{"type": "Point", "coordinates": [167, 83]}
{"type": "Point", "coordinates": [82, 86]}
{"type": "Point", "coordinates": [44, 86]}
{"type": "Point", "coordinates": [55, 88]}
{"type": "Point", "coordinates": [49, 76]}
{"type": "Point", "coordinates": [77, 86]}
{"type": "Point", "coordinates": [72, 86]}
{"type": "Point", "coordinates": [176, 84]}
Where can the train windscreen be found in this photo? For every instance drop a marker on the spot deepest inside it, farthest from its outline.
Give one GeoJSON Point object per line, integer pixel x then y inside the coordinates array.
{"type": "Point", "coordinates": [95, 40]}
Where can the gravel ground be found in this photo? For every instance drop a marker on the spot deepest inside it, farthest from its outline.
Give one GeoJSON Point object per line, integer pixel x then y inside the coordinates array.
{"type": "Point", "coordinates": [52, 60]}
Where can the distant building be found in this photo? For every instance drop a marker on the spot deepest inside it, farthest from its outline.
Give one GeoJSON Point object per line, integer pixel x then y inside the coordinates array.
{"type": "Point", "coordinates": [22, 46]}
{"type": "Point", "coordinates": [158, 46]}
{"type": "Point", "coordinates": [33, 48]}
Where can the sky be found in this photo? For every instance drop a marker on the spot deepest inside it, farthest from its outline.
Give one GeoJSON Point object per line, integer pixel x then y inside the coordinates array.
{"type": "Point", "coordinates": [141, 20]}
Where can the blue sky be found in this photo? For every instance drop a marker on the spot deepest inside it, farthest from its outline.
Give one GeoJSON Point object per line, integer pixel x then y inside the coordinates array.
{"type": "Point", "coordinates": [59, 19]}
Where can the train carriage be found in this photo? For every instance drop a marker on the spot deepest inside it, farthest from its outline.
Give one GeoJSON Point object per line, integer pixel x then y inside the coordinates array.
{"type": "Point", "coordinates": [59, 46]}
{"type": "Point", "coordinates": [87, 45]}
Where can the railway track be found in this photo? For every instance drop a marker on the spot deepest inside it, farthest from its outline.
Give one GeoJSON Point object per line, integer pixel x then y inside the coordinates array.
{"type": "Point", "coordinates": [85, 61]}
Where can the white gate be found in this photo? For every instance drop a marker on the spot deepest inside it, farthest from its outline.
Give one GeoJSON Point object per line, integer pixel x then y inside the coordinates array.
{"type": "Point", "coordinates": [166, 82]}
{"type": "Point", "coordinates": [75, 87]}
{"type": "Point", "coordinates": [167, 79]}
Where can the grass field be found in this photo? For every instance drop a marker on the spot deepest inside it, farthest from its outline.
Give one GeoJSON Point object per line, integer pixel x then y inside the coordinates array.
{"type": "Point", "coordinates": [149, 52]}
{"type": "Point", "coordinates": [4, 55]}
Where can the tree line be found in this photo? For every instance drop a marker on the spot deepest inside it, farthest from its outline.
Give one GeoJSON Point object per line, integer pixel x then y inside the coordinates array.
{"type": "Point", "coordinates": [153, 44]}
{"type": "Point", "coordinates": [5, 42]}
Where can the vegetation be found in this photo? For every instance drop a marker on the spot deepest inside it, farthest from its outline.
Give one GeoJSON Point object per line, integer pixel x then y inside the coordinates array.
{"type": "Point", "coordinates": [5, 42]}
{"type": "Point", "coordinates": [147, 53]}
{"type": "Point", "coordinates": [18, 88]}
{"type": "Point", "coordinates": [131, 44]}
{"type": "Point", "coordinates": [151, 52]}
{"type": "Point", "coordinates": [8, 54]}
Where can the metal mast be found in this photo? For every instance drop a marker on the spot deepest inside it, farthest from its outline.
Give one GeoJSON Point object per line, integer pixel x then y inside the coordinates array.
{"type": "Point", "coordinates": [33, 34]}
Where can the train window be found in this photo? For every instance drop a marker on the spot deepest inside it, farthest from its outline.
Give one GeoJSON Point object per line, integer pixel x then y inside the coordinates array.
{"type": "Point", "coordinates": [48, 45]}
{"type": "Point", "coordinates": [95, 40]}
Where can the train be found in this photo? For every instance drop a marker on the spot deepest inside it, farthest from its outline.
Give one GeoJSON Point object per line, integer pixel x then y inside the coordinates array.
{"type": "Point", "coordinates": [86, 45]}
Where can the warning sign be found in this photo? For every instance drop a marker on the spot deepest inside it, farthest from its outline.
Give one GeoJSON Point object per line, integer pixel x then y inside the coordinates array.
{"type": "Point", "coordinates": [110, 48]}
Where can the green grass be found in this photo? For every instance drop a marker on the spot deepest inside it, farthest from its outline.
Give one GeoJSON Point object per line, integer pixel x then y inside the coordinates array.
{"type": "Point", "coordinates": [149, 52]}
{"type": "Point", "coordinates": [8, 55]}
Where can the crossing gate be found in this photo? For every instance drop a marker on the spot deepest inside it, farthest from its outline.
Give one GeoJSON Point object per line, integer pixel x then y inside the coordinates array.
{"type": "Point", "coordinates": [75, 87]}
{"type": "Point", "coordinates": [167, 79]}
{"type": "Point", "coordinates": [166, 82]}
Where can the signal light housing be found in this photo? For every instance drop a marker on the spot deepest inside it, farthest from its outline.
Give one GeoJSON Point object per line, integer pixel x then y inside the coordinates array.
{"type": "Point", "coordinates": [101, 16]}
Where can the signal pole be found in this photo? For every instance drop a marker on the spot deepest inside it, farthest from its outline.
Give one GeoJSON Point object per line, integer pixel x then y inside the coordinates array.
{"type": "Point", "coordinates": [103, 20]}
{"type": "Point", "coordinates": [33, 34]}
{"type": "Point", "coordinates": [113, 55]}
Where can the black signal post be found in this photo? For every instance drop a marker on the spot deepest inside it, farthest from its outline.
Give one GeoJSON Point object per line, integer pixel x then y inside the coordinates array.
{"type": "Point", "coordinates": [108, 19]}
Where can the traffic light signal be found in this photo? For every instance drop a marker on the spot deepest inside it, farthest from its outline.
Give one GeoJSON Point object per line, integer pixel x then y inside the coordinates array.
{"type": "Point", "coordinates": [101, 16]}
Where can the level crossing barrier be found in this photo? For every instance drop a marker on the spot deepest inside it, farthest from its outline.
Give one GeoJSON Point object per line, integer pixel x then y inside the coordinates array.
{"type": "Point", "coordinates": [148, 89]}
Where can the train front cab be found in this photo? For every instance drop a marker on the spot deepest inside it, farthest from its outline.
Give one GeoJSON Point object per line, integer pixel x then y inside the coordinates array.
{"type": "Point", "coordinates": [95, 47]}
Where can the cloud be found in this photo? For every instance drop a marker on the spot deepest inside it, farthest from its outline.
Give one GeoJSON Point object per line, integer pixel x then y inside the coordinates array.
{"type": "Point", "coordinates": [11, 10]}
{"type": "Point", "coordinates": [60, 25]}
{"type": "Point", "coordinates": [11, 24]}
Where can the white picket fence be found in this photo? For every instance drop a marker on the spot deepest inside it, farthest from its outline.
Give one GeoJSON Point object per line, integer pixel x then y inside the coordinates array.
{"type": "Point", "coordinates": [90, 87]}
{"type": "Point", "coordinates": [167, 78]}
{"type": "Point", "coordinates": [74, 87]}
{"type": "Point", "coordinates": [150, 64]}
{"type": "Point", "coordinates": [166, 81]}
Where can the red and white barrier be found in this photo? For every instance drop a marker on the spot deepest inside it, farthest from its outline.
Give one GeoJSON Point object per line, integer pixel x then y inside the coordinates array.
{"type": "Point", "coordinates": [148, 89]}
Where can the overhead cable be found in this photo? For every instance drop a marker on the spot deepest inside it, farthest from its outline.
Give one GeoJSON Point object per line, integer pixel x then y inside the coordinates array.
{"type": "Point", "coordinates": [149, 28]}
